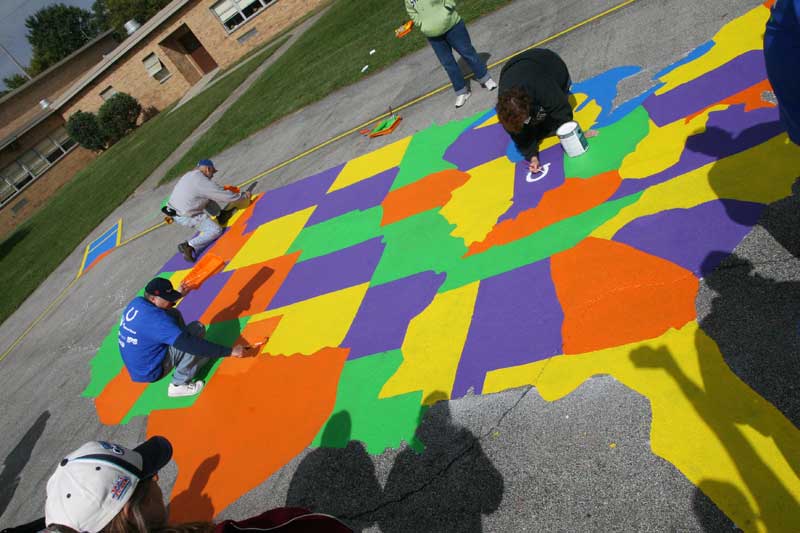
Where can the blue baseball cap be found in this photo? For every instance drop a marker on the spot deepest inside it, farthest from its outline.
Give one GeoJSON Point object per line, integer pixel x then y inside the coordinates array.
{"type": "Point", "coordinates": [206, 163]}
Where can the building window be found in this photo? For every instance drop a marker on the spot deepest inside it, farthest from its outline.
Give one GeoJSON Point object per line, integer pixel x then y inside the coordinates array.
{"type": "Point", "coordinates": [6, 191]}
{"type": "Point", "coordinates": [155, 67]}
{"type": "Point", "coordinates": [16, 175]}
{"type": "Point", "coordinates": [49, 150]}
{"type": "Point", "coordinates": [63, 139]}
{"type": "Point", "coordinates": [108, 92]}
{"type": "Point", "coordinates": [35, 163]}
{"type": "Point", "coordinates": [233, 13]}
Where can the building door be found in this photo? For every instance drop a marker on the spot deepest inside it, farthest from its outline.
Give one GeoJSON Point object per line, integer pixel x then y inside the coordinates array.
{"type": "Point", "coordinates": [199, 54]}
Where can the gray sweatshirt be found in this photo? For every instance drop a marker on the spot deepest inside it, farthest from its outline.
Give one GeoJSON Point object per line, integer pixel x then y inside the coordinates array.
{"type": "Point", "coordinates": [194, 190]}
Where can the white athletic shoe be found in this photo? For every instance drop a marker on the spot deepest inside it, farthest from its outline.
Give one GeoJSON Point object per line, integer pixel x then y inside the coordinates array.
{"type": "Point", "coordinates": [461, 99]}
{"type": "Point", "coordinates": [187, 389]}
{"type": "Point", "coordinates": [490, 85]}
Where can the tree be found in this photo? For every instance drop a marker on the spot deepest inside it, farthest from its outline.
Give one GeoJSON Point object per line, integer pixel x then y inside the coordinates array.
{"type": "Point", "coordinates": [118, 115]}
{"type": "Point", "coordinates": [118, 12]}
{"type": "Point", "coordinates": [84, 128]}
{"type": "Point", "coordinates": [56, 31]}
{"type": "Point", "coordinates": [101, 15]}
{"type": "Point", "coordinates": [15, 81]}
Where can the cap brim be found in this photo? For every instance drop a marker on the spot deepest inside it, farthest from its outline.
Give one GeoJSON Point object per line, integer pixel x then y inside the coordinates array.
{"type": "Point", "coordinates": [172, 296]}
{"type": "Point", "coordinates": [156, 452]}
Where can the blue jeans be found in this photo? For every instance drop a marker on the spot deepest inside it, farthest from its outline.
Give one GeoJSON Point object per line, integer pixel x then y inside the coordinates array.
{"type": "Point", "coordinates": [185, 364]}
{"type": "Point", "coordinates": [457, 38]}
{"type": "Point", "coordinates": [207, 227]}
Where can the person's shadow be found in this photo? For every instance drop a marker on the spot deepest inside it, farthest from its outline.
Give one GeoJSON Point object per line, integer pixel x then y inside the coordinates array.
{"type": "Point", "coordinates": [338, 478]}
{"type": "Point", "coordinates": [194, 504]}
{"type": "Point", "coordinates": [447, 487]}
{"type": "Point", "coordinates": [16, 460]}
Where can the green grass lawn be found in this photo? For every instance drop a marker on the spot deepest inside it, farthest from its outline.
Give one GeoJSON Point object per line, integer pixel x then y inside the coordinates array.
{"type": "Point", "coordinates": [34, 249]}
{"type": "Point", "coordinates": [325, 58]}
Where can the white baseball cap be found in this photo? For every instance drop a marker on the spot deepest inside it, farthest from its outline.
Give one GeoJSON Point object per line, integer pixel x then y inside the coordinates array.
{"type": "Point", "coordinates": [92, 484]}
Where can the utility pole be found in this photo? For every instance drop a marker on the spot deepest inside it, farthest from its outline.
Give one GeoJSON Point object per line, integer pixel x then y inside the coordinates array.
{"type": "Point", "coordinates": [21, 68]}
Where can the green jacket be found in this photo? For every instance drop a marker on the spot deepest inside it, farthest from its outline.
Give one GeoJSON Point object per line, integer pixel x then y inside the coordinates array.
{"type": "Point", "coordinates": [433, 17]}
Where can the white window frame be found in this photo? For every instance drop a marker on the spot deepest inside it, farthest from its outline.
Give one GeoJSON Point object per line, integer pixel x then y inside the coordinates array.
{"type": "Point", "coordinates": [155, 68]}
{"type": "Point", "coordinates": [107, 93]}
{"type": "Point", "coordinates": [236, 7]}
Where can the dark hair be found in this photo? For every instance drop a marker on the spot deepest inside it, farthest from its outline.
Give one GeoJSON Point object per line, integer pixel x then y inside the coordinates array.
{"type": "Point", "coordinates": [513, 108]}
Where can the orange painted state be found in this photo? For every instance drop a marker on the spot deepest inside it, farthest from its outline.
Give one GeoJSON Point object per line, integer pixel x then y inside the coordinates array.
{"type": "Point", "coordinates": [258, 332]}
{"type": "Point", "coordinates": [574, 197]}
{"type": "Point", "coordinates": [434, 190]}
{"type": "Point", "coordinates": [232, 240]}
{"type": "Point", "coordinates": [253, 423]}
{"type": "Point", "coordinates": [117, 398]}
{"type": "Point", "coordinates": [249, 290]}
{"type": "Point", "coordinates": [613, 294]}
{"type": "Point", "coordinates": [750, 97]}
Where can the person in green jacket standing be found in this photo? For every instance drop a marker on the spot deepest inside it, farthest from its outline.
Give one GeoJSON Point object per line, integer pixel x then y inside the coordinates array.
{"type": "Point", "coordinates": [442, 25]}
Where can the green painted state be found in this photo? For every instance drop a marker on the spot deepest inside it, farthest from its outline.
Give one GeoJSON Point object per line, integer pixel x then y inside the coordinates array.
{"type": "Point", "coordinates": [154, 397]}
{"type": "Point", "coordinates": [607, 150]}
{"type": "Point", "coordinates": [418, 244]}
{"type": "Point", "coordinates": [425, 153]}
{"type": "Point", "coordinates": [105, 364]}
{"type": "Point", "coordinates": [379, 423]}
{"type": "Point", "coordinates": [535, 247]}
{"type": "Point", "coordinates": [338, 233]}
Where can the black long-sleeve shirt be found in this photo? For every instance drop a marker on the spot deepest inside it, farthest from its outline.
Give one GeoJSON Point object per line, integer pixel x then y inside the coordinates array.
{"type": "Point", "coordinates": [543, 75]}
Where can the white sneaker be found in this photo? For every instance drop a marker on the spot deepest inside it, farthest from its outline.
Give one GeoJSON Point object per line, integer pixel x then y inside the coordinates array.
{"type": "Point", "coordinates": [187, 389]}
{"type": "Point", "coordinates": [490, 85]}
{"type": "Point", "coordinates": [461, 99]}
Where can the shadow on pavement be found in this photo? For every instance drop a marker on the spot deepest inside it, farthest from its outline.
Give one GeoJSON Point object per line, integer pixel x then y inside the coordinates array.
{"type": "Point", "coordinates": [338, 478]}
{"type": "Point", "coordinates": [16, 460]}
{"type": "Point", "coordinates": [447, 487]}
{"type": "Point", "coordinates": [193, 502]}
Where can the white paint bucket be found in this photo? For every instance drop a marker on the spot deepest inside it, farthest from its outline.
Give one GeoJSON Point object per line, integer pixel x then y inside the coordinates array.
{"type": "Point", "coordinates": [572, 139]}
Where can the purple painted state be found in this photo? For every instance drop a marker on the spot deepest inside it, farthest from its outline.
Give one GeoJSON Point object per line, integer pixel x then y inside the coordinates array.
{"type": "Point", "coordinates": [528, 195]}
{"type": "Point", "coordinates": [292, 198]}
{"type": "Point", "coordinates": [728, 132]}
{"type": "Point", "coordinates": [517, 320]}
{"type": "Point", "coordinates": [361, 196]}
{"type": "Point", "coordinates": [731, 78]}
{"type": "Point", "coordinates": [478, 146]}
{"type": "Point", "coordinates": [688, 237]}
{"type": "Point", "coordinates": [329, 273]}
{"type": "Point", "coordinates": [383, 317]}
{"type": "Point", "coordinates": [195, 304]}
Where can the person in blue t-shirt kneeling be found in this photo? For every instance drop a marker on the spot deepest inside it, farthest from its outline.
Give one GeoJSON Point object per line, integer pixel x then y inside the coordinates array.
{"type": "Point", "coordinates": [153, 339]}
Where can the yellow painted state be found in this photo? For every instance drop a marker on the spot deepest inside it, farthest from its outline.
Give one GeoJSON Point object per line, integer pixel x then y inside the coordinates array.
{"type": "Point", "coordinates": [489, 122]}
{"type": "Point", "coordinates": [271, 239]}
{"type": "Point", "coordinates": [663, 146]}
{"type": "Point", "coordinates": [430, 358]}
{"type": "Point", "coordinates": [734, 39]}
{"type": "Point", "coordinates": [368, 165]}
{"type": "Point", "coordinates": [726, 439]}
{"type": "Point", "coordinates": [764, 174]}
{"type": "Point", "coordinates": [311, 325]}
{"type": "Point", "coordinates": [475, 206]}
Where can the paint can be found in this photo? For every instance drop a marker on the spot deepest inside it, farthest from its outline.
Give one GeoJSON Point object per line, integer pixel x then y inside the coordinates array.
{"type": "Point", "coordinates": [572, 139]}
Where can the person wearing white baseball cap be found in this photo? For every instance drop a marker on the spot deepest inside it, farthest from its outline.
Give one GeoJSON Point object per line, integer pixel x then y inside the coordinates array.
{"type": "Point", "coordinates": [105, 487]}
{"type": "Point", "coordinates": [92, 488]}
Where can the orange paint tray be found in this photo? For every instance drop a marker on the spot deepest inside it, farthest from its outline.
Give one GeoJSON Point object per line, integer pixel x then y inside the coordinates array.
{"type": "Point", "coordinates": [209, 265]}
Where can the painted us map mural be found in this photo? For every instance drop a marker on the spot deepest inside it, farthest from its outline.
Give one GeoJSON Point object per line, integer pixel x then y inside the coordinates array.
{"type": "Point", "coordinates": [431, 268]}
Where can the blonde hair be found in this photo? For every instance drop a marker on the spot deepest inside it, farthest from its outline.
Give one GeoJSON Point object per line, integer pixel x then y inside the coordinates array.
{"type": "Point", "coordinates": [134, 520]}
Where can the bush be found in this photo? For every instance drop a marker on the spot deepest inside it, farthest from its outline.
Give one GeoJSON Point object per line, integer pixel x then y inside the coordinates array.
{"type": "Point", "coordinates": [118, 116]}
{"type": "Point", "coordinates": [85, 129]}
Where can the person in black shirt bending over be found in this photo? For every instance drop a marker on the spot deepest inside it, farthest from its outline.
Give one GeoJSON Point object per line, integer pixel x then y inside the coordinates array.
{"type": "Point", "coordinates": [533, 100]}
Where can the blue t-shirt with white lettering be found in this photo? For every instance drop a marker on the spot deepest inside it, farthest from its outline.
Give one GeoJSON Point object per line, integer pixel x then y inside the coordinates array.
{"type": "Point", "coordinates": [145, 334]}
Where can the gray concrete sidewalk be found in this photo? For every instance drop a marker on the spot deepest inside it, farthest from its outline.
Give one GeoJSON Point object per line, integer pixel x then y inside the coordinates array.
{"type": "Point", "coordinates": [540, 477]}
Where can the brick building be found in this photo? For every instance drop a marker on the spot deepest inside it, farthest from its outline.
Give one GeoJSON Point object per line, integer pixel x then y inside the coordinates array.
{"type": "Point", "coordinates": [156, 64]}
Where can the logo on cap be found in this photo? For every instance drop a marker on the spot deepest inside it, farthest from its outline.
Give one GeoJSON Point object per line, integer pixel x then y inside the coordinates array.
{"type": "Point", "coordinates": [111, 447]}
{"type": "Point", "coordinates": [120, 487]}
